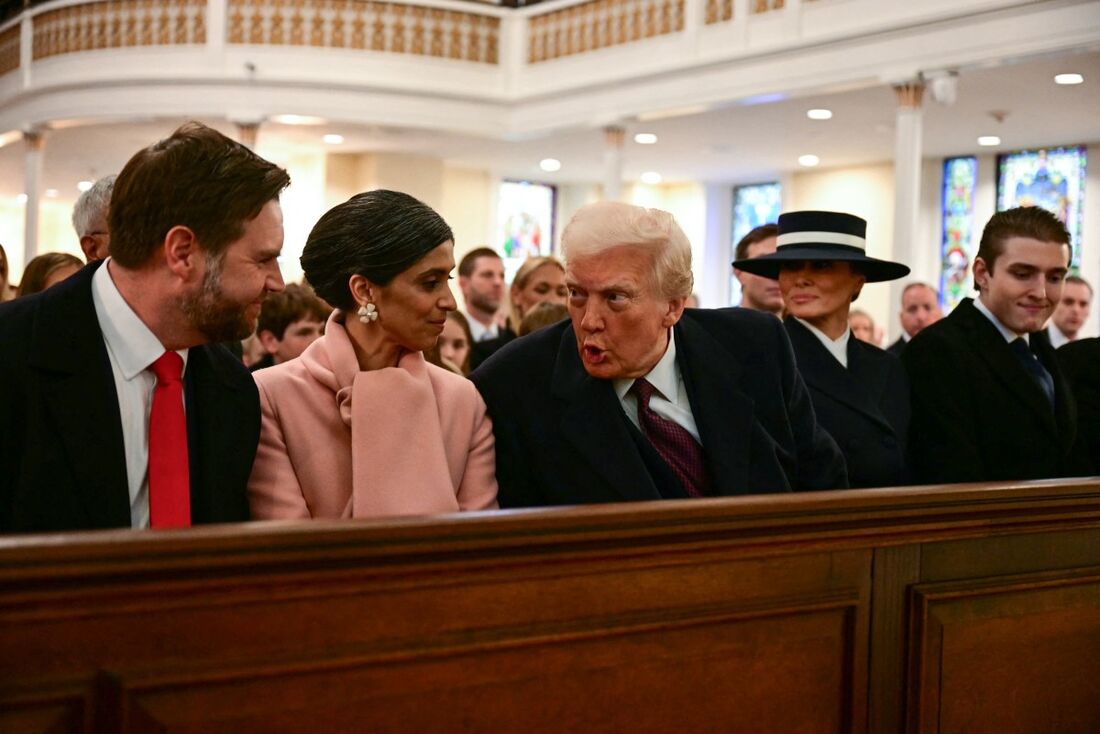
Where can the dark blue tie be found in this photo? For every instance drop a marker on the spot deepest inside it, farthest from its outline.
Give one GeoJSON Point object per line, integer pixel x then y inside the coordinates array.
{"type": "Point", "coordinates": [1034, 368]}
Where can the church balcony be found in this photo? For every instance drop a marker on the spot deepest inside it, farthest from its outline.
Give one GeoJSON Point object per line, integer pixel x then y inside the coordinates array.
{"type": "Point", "coordinates": [489, 70]}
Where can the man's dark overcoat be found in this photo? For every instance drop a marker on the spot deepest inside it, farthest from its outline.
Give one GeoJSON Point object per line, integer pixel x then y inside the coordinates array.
{"type": "Point", "coordinates": [61, 446]}
{"type": "Point", "coordinates": [563, 438]}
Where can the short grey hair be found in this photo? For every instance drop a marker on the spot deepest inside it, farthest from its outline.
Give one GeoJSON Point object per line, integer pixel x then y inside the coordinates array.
{"type": "Point", "coordinates": [607, 224]}
{"type": "Point", "coordinates": [93, 204]}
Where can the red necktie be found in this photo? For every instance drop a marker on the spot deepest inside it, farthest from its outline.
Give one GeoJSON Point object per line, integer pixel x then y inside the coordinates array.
{"type": "Point", "coordinates": [169, 475]}
{"type": "Point", "coordinates": [677, 447]}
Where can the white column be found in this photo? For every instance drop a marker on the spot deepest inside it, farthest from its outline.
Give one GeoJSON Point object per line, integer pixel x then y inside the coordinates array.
{"type": "Point", "coordinates": [907, 174]}
{"type": "Point", "coordinates": [35, 141]}
{"type": "Point", "coordinates": [26, 49]}
{"type": "Point", "coordinates": [216, 12]}
{"type": "Point", "coordinates": [613, 136]}
{"type": "Point", "coordinates": [714, 290]}
{"type": "Point", "coordinates": [247, 133]}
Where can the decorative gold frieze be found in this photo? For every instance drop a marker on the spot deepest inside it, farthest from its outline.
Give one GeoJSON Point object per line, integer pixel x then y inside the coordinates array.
{"type": "Point", "coordinates": [365, 24]}
{"type": "Point", "coordinates": [766, 6]}
{"type": "Point", "coordinates": [119, 24]}
{"type": "Point", "coordinates": [600, 24]}
{"type": "Point", "coordinates": [9, 50]}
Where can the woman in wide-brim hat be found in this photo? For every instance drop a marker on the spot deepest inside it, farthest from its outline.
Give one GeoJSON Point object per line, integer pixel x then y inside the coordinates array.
{"type": "Point", "coordinates": [860, 392]}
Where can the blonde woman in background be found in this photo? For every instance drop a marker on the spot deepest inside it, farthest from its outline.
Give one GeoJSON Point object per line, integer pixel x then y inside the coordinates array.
{"type": "Point", "coordinates": [538, 280]}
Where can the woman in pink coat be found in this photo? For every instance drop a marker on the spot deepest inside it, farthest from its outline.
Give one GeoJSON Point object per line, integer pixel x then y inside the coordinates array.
{"type": "Point", "coordinates": [360, 425]}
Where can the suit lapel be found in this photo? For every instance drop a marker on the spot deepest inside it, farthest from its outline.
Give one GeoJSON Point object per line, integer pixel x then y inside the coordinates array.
{"type": "Point", "coordinates": [992, 348]}
{"type": "Point", "coordinates": [78, 391]}
{"type": "Point", "coordinates": [593, 423]}
{"type": "Point", "coordinates": [723, 415]}
{"type": "Point", "coordinates": [855, 387]}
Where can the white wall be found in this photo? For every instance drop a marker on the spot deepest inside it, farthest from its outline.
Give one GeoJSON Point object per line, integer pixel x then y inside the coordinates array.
{"type": "Point", "coordinates": [868, 192]}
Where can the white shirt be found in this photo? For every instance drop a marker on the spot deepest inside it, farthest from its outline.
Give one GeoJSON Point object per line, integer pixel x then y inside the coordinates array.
{"type": "Point", "coordinates": [132, 348]}
{"type": "Point", "coordinates": [1009, 335]}
{"type": "Point", "coordinates": [670, 399]}
{"type": "Point", "coordinates": [1057, 336]}
{"type": "Point", "coordinates": [480, 332]}
{"type": "Point", "coordinates": [837, 347]}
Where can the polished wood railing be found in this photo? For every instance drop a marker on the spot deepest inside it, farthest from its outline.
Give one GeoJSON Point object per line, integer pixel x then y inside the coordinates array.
{"type": "Point", "coordinates": [947, 609]}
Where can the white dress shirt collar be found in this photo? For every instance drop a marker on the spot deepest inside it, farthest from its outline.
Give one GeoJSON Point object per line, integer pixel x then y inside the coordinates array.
{"type": "Point", "coordinates": [662, 376]}
{"type": "Point", "coordinates": [837, 347]}
{"type": "Point", "coordinates": [480, 332]}
{"type": "Point", "coordinates": [133, 345]}
{"type": "Point", "coordinates": [1057, 336]}
{"type": "Point", "coordinates": [1008, 334]}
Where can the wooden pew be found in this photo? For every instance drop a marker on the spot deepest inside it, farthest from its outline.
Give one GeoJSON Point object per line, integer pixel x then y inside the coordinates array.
{"type": "Point", "coordinates": [972, 608]}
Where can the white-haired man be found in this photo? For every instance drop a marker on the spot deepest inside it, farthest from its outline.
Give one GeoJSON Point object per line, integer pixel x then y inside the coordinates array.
{"type": "Point", "coordinates": [635, 398]}
{"type": "Point", "coordinates": [90, 219]}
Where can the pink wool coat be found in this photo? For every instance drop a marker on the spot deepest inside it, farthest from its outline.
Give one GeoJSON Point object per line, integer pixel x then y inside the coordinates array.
{"type": "Point", "coordinates": [336, 442]}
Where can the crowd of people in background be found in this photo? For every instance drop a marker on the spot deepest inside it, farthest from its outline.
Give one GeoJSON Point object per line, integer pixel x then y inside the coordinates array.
{"type": "Point", "coordinates": [126, 397]}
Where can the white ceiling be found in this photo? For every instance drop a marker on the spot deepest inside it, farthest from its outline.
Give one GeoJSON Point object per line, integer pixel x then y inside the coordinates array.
{"type": "Point", "coordinates": [738, 143]}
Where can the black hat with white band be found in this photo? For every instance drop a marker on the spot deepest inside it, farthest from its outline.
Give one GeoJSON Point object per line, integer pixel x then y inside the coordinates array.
{"type": "Point", "coordinates": [811, 235]}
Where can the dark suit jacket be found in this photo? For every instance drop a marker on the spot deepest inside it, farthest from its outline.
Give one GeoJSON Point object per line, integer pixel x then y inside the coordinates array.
{"type": "Point", "coordinates": [562, 436]}
{"type": "Point", "coordinates": [865, 407]}
{"type": "Point", "coordinates": [897, 347]}
{"type": "Point", "coordinates": [1080, 361]}
{"type": "Point", "coordinates": [977, 414]}
{"type": "Point", "coordinates": [61, 445]}
{"type": "Point", "coordinates": [481, 351]}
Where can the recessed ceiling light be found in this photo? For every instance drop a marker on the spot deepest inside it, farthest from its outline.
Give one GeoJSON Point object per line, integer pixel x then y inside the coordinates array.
{"type": "Point", "coordinates": [21, 198]}
{"type": "Point", "coordinates": [1068, 79]}
{"type": "Point", "coordinates": [651, 177]}
{"type": "Point", "coordinates": [83, 185]}
{"type": "Point", "coordinates": [51, 193]}
{"type": "Point", "coordinates": [298, 119]}
{"type": "Point", "coordinates": [819, 114]}
{"type": "Point", "coordinates": [333, 139]}
{"type": "Point", "coordinates": [808, 160]}
{"type": "Point", "coordinates": [988, 140]}
{"type": "Point", "coordinates": [550, 165]}
{"type": "Point", "coordinates": [645, 138]}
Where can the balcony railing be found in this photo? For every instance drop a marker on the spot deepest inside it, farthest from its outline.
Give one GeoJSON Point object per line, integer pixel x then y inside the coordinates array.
{"type": "Point", "coordinates": [364, 25]}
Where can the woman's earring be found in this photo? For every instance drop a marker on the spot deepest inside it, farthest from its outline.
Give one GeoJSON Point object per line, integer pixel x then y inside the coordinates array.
{"type": "Point", "coordinates": [368, 313]}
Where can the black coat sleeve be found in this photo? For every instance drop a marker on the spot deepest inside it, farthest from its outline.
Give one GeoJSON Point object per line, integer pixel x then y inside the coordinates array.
{"type": "Point", "coordinates": [943, 428]}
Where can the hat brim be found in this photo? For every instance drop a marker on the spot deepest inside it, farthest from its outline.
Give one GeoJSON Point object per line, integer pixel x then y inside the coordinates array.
{"type": "Point", "coordinates": [876, 271]}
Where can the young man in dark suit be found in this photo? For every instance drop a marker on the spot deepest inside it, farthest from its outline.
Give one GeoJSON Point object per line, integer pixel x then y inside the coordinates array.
{"type": "Point", "coordinates": [637, 398]}
{"type": "Point", "coordinates": [989, 399]}
{"type": "Point", "coordinates": [117, 408]}
{"type": "Point", "coordinates": [481, 280]}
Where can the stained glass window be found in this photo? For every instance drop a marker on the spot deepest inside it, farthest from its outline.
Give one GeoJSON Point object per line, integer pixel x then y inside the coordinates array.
{"type": "Point", "coordinates": [1053, 178]}
{"type": "Point", "coordinates": [960, 176]}
{"type": "Point", "coordinates": [525, 221]}
{"type": "Point", "coordinates": [753, 205]}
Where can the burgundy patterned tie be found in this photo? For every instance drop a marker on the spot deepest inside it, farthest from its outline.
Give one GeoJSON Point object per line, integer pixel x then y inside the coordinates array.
{"type": "Point", "coordinates": [677, 447]}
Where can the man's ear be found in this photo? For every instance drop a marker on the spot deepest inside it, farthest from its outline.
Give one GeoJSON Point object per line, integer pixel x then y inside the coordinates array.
{"type": "Point", "coordinates": [182, 253]}
{"type": "Point", "coordinates": [268, 340]}
{"type": "Point", "coordinates": [675, 311]}
{"type": "Point", "coordinates": [981, 273]}
{"type": "Point", "coordinates": [88, 247]}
